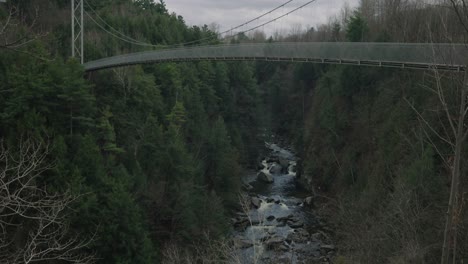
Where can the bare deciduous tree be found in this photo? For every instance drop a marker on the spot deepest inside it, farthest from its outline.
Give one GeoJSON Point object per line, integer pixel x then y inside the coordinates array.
{"type": "Point", "coordinates": [454, 133]}
{"type": "Point", "coordinates": [16, 30]}
{"type": "Point", "coordinates": [453, 103]}
{"type": "Point", "coordinates": [33, 223]}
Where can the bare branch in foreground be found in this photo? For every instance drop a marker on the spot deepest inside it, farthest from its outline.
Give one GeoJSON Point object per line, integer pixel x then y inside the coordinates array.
{"type": "Point", "coordinates": [33, 224]}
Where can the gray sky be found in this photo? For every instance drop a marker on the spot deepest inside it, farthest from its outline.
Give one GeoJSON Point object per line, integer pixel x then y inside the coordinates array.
{"type": "Point", "coordinates": [230, 13]}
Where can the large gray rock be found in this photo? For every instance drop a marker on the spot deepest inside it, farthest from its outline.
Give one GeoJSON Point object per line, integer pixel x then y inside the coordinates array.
{"type": "Point", "coordinates": [256, 202]}
{"type": "Point", "coordinates": [297, 224]}
{"type": "Point", "coordinates": [247, 187]}
{"type": "Point", "coordinates": [276, 169]}
{"type": "Point", "coordinates": [284, 218]}
{"type": "Point", "coordinates": [298, 236]}
{"type": "Point", "coordinates": [284, 162]}
{"type": "Point", "coordinates": [260, 166]}
{"type": "Point", "coordinates": [272, 159]}
{"type": "Point", "coordinates": [240, 220]}
{"type": "Point", "coordinates": [292, 168]}
{"type": "Point", "coordinates": [281, 224]}
{"type": "Point", "coordinates": [327, 247]}
{"type": "Point", "coordinates": [265, 177]}
{"type": "Point", "coordinates": [242, 243]}
{"type": "Point", "coordinates": [309, 201]}
{"type": "Point", "coordinates": [274, 242]}
{"type": "Point", "coordinates": [318, 236]}
{"type": "Point", "coordinates": [241, 224]}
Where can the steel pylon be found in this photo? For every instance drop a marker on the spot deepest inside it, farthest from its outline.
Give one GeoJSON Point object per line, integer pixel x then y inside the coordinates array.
{"type": "Point", "coordinates": [77, 27]}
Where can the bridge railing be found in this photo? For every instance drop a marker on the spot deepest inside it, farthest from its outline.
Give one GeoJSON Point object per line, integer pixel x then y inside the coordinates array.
{"type": "Point", "coordinates": [383, 54]}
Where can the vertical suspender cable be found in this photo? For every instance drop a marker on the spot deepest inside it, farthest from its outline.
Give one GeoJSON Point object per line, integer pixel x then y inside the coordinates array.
{"type": "Point", "coordinates": [82, 32]}
{"type": "Point", "coordinates": [73, 27]}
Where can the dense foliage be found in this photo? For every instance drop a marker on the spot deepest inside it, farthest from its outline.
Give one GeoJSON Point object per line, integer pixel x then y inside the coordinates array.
{"type": "Point", "coordinates": [154, 152]}
{"type": "Point", "coordinates": [372, 141]}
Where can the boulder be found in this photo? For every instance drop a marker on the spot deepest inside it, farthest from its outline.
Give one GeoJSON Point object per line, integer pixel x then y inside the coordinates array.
{"type": "Point", "coordinates": [297, 224]}
{"type": "Point", "coordinates": [240, 221]}
{"type": "Point", "coordinates": [292, 168]}
{"type": "Point", "coordinates": [283, 248]}
{"type": "Point", "coordinates": [284, 162]}
{"type": "Point", "coordinates": [294, 219]}
{"type": "Point", "coordinates": [247, 187]}
{"type": "Point", "coordinates": [260, 166]}
{"type": "Point", "coordinates": [255, 221]}
{"type": "Point", "coordinates": [284, 218]}
{"type": "Point", "coordinates": [242, 243]}
{"type": "Point", "coordinates": [309, 201]}
{"type": "Point", "coordinates": [274, 242]}
{"type": "Point", "coordinates": [276, 169]}
{"type": "Point", "coordinates": [272, 159]}
{"type": "Point", "coordinates": [256, 202]}
{"type": "Point", "coordinates": [265, 177]}
{"type": "Point", "coordinates": [298, 236]}
{"type": "Point", "coordinates": [241, 214]}
{"type": "Point", "coordinates": [281, 224]}
{"type": "Point", "coordinates": [327, 247]}
{"type": "Point", "coordinates": [318, 236]}
{"type": "Point", "coordinates": [294, 222]}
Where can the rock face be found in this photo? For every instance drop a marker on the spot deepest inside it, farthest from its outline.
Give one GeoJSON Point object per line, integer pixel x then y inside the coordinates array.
{"type": "Point", "coordinates": [265, 177]}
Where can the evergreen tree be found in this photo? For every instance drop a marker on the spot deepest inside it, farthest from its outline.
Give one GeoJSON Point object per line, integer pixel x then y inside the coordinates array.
{"type": "Point", "coordinates": [222, 171]}
{"type": "Point", "coordinates": [357, 28]}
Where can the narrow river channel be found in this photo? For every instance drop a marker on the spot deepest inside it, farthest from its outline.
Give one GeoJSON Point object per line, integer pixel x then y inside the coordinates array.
{"type": "Point", "coordinates": [279, 223]}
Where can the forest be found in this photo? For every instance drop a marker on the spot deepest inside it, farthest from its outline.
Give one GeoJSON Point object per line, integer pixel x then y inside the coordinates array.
{"type": "Point", "coordinates": [134, 164]}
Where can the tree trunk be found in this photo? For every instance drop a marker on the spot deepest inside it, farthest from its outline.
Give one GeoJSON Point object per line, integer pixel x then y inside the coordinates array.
{"type": "Point", "coordinates": [451, 228]}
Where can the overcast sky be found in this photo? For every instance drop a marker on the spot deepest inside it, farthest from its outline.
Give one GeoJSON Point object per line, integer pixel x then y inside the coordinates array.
{"type": "Point", "coordinates": [230, 13]}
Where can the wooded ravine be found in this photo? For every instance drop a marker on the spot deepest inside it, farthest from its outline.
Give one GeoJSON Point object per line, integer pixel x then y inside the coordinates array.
{"type": "Point", "coordinates": [158, 163]}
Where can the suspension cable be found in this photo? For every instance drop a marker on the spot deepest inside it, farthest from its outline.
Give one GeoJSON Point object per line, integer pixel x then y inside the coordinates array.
{"type": "Point", "coordinates": [112, 28]}
{"type": "Point", "coordinates": [241, 25]}
{"type": "Point", "coordinates": [116, 36]}
{"type": "Point", "coordinates": [274, 19]}
{"type": "Point", "coordinates": [136, 42]}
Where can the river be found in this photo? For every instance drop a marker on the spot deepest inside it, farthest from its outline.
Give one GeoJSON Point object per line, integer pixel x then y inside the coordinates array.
{"type": "Point", "coordinates": [279, 223]}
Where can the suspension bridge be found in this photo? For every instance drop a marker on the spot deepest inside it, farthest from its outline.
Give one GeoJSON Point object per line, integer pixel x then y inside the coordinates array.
{"type": "Point", "coordinates": [448, 57]}
{"type": "Point", "coordinates": [412, 56]}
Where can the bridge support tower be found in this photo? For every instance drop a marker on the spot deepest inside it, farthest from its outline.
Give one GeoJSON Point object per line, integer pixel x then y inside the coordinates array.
{"type": "Point", "coordinates": [77, 28]}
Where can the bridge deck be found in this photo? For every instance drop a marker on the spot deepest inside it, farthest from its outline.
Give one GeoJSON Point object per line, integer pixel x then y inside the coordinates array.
{"type": "Point", "coordinates": [452, 57]}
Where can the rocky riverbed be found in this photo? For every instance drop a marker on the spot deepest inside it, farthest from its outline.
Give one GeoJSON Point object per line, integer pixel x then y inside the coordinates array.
{"type": "Point", "coordinates": [278, 223]}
